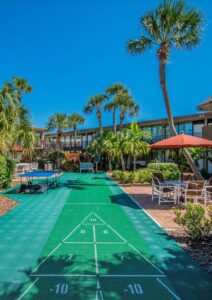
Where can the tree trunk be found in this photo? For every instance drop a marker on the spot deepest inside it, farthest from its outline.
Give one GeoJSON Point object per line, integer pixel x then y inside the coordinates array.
{"type": "Point", "coordinates": [100, 124]}
{"type": "Point", "coordinates": [134, 163]}
{"type": "Point", "coordinates": [58, 151]}
{"type": "Point", "coordinates": [121, 123]}
{"type": "Point", "coordinates": [114, 121]}
{"type": "Point", "coordinates": [122, 162]}
{"type": "Point", "coordinates": [109, 164]}
{"type": "Point", "coordinates": [75, 139]}
{"type": "Point", "coordinates": [162, 72]}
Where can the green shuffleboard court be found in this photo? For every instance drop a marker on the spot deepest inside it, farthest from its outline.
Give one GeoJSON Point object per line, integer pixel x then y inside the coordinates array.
{"type": "Point", "coordinates": [87, 239]}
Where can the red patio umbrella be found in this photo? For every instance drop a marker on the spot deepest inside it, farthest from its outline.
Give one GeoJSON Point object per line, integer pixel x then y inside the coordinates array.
{"type": "Point", "coordinates": [182, 141]}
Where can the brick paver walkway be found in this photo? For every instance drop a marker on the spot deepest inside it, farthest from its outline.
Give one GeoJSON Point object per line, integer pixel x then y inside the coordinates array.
{"type": "Point", "coordinates": [163, 213]}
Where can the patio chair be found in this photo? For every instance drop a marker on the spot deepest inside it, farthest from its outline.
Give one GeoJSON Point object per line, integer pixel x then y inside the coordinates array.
{"type": "Point", "coordinates": [186, 176]}
{"type": "Point", "coordinates": [164, 193]}
{"type": "Point", "coordinates": [193, 191]}
{"type": "Point", "coordinates": [34, 166]}
{"type": "Point", "coordinates": [159, 176]}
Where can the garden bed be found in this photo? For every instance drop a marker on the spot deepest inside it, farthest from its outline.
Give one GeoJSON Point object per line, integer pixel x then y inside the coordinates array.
{"type": "Point", "coordinates": [6, 205]}
{"type": "Point", "coordinates": [199, 250]}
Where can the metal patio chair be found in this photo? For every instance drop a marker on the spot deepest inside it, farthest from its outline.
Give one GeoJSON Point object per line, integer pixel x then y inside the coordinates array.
{"type": "Point", "coordinates": [164, 193]}
{"type": "Point", "coordinates": [193, 191]}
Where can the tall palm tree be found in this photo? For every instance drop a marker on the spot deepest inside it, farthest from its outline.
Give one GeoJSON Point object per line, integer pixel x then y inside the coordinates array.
{"type": "Point", "coordinates": [59, 123]}
{"type": "Point", "coordinates": [171, 25]}
{"type": "Point", "coordinates": [113, 90]}
{"type": "Point", "coordinates": [134, 144]}
{"type": "Point", "coordinates": [73, 121]}
{"type": "Point", "coordinates": [21, 85]}
{"type": "Point", "coordinates": [127, 106]}
{"type": "Point", "coordinates": [95, 104]}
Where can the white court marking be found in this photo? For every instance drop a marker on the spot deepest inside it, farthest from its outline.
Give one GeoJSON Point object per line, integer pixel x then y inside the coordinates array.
{"type": "Point", "coordinates": [25, 292]}
{"type": "Point", "coordinates": [99, 294]}
{"type": "Point", "coordinates": [168, 289]}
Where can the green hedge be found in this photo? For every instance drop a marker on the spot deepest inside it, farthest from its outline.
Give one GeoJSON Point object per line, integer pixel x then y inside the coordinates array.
{"type": "Point", "coordinates": [170, 171]}
{"type": "Point", "coordinates": [6, 172]}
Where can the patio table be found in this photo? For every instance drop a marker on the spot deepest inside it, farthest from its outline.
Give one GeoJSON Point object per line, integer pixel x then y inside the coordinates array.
{"type": "Point", "coordinates": [177, 184]}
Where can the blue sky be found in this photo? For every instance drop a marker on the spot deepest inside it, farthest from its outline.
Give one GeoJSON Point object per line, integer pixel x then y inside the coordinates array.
{"type": "Point", "coordinates": [70, 50]}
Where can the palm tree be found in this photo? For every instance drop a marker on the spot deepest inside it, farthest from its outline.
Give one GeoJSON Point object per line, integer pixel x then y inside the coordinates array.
{"type": "Point", "coordinates": [73, 121]}
{"type": "Point", "coordinates": [15, 124]}
{"type": "Point", "coordinates": [120, 149]}
{"type": "Point", "coordinates": [171, 25]}
{"type": "Point", "coordinates": [58, 122]}
{"type": "Point", "coordinates": [109, 149]}
{"type": "Point", "coordinates": [95, 104]}
{"type": "Point", "coordinates": [127, 106]}
{"type": "Point", "coordinates": [134, 144]}
{"type": "Point", "coordinates": [24, 134]}
{"type": "Point", "coordinates": [21, 85]}
{"type": "Point", "coordinates": [114, 90]}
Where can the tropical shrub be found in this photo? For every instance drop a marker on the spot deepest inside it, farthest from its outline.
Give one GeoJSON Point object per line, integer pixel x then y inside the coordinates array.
{"type": "Point", "coordinates": [10, 171]}
{"type": "Point", "coordinates": [55, 156]}
{"type": "Point", "coordinates": [194, 220]}
{"type": "Point", "coordinates": [72, 156]}
{"type": "Point", "coordinates": [145, 175]}
{"type": "Point", "coordinates": [116, 174]}
{"type": "Point", "coordinates": [70, 166]}
{"type": "Point", "coordinates": [170, 171]}
{"type": "Point", "coordinates": [6, 172]}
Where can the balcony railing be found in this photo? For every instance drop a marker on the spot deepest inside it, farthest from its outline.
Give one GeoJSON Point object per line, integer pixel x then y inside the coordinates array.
{"type": "Point", "coordinates": [53, 145]}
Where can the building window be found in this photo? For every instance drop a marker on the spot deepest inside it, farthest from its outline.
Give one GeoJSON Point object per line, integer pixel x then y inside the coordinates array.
{"type": "Point", "coordinates": [157, 133]}
{"type": "Point", "coordinates": [185, 128]}
{"type": "Point", "coordinates": [197, 129]}
{"type": "Point", "coordinates": [167, 131]}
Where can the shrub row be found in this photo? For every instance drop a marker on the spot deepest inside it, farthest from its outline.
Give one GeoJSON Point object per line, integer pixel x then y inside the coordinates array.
{"type": "Point", "coordinates": [170, 171]}
{"type": "Point", "coordinates": [6, 171]}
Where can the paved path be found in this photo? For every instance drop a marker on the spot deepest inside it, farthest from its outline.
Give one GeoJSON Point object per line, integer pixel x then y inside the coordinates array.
{"type": "Point", "coordinates": [88, 240]}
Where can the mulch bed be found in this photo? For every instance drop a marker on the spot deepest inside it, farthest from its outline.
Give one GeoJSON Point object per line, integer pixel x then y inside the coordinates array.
{"type": "Point", "coordinates": [6, 204]}
{"type": "Point", "coordinates": [199, 250]}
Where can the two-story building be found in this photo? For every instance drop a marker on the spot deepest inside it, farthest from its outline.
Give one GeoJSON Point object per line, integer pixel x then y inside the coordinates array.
{"type": "Point", "coordinates": [199, 125]}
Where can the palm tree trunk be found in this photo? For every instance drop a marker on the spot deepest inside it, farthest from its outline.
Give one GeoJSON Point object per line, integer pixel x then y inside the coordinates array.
{"type": "Point", "coordinates": [134, 163]}
{"type": "Point", "coordinates": [58, 151]}
{"type": "Point", "coordinates": [100, 124]}
{"type": "Point", "coordinates": [122, 162]}
{"type": "Point", "coordinates": [75, 139]}
{"type": "Point", "coordinates": [162, 73]}
{"type": "Point", "coordinates": [121, 123]}
{"type": "Point", "coordinates": [109, 163]}
{"type": "Point", "coordinates": [114, 121]}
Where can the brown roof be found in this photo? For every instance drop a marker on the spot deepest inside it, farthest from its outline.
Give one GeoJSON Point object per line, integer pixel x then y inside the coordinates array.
{"type": "Point", "coordinates": [36, 129]}
{"type": "Point", "coordinates": [17, 148]}
{"type": "Point", "coordinates": [206, 105]}
{"type": "Point", "coordinates": [179, 119]}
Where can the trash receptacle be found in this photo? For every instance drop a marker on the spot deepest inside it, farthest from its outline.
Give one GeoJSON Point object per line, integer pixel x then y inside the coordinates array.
{"type": "Point", "coordinates": [48, 166]}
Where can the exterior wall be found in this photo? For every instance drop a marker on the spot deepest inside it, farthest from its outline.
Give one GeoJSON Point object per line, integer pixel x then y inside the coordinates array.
{"type": "Point", "coordinates": [199, 125]}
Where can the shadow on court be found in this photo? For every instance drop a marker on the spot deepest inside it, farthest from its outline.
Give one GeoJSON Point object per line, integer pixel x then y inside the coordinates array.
{"type": "Point", "coordinates": [124, 200]}
{"type": "Point", "coordinates": [188, 281]}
